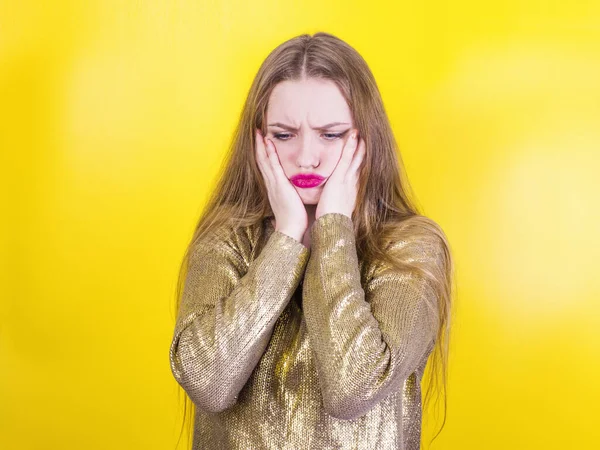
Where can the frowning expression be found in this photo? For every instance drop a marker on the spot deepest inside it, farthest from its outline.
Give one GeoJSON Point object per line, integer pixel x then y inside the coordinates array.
{"type": "Point", "coordinates": [308, 121]}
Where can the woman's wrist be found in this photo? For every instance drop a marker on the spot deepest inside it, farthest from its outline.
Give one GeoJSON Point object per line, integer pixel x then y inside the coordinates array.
{"type": "Point", "coordinates": [296, 234]}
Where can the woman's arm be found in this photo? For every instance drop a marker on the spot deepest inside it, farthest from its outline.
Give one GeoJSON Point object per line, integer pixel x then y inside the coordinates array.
{"type": "Point", "coordinates": [227, 313]}
{"type": "Point", "coordinates": [365, 342]}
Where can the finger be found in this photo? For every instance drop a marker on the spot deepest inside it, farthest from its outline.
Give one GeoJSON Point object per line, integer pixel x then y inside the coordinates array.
{"type": "Point", "coordinates": [348, 152]}
{"type": "Point", "coordinates": [260, 152]}
{"type": "Point", "coordinates": [359, 157]}
{"type": "Point", "coordinates": [262, 159]}
{"type": "Point", "coordinates": [275, 164]}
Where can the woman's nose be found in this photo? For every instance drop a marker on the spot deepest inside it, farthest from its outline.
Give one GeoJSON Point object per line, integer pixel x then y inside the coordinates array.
{"type": "Point", "coordinates": [308, 152]}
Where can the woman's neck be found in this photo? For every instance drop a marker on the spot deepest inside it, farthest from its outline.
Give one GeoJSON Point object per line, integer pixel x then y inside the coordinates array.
{"type": "Point", "coordinates": [310, 213]}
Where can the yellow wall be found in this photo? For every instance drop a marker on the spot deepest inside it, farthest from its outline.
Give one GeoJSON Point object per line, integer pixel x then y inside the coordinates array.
{"type": "Point", "coordinates": [115, 116]}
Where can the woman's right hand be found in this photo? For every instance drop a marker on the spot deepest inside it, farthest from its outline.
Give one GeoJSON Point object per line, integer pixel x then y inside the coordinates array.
{"type": "Point", "coordinates": [289, 210]}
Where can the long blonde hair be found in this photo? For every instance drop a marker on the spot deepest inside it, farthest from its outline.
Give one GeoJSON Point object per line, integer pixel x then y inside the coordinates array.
{"type": "Point", "coordinates": [384, 198]}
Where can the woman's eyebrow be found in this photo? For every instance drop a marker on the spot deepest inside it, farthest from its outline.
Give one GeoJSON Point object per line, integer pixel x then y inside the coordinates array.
{"type": "Point", "coordinates": [322, 127]}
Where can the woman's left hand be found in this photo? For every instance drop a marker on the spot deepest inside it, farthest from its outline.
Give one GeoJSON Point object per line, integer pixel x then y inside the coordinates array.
{"type": "Point", "coordinates": [341, 188]}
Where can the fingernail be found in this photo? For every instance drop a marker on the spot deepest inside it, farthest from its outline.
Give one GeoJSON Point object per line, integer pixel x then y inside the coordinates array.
{"type": "Point", "coordinates": [353, 135]}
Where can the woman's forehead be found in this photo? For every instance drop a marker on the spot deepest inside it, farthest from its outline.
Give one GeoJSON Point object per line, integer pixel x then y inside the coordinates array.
{"type": "Point", "coordinates": [315, 105]}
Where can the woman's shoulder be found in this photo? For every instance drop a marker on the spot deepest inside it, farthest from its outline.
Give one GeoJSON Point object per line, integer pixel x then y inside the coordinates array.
{"type": "Point", "coordinates": [416, 236]}
{"type": "Point", "coordinates": [240, 236]}
{"type": "Point", "coordinates": [414, 228]}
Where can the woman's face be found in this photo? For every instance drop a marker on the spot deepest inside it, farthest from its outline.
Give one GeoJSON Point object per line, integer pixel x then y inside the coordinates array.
{"type": "Point", "coordinates": [308, 122]}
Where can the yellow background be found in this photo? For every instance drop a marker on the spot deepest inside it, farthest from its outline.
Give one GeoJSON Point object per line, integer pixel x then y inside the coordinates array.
{"type": "Point", "coordinates": [115, 115]}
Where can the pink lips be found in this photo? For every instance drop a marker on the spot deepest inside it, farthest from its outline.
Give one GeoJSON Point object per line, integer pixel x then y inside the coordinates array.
{"type": "Point", "coordinates": [307, 180]}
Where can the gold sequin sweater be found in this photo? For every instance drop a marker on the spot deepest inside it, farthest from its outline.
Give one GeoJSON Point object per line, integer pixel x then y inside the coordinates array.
{"type": "Point", "coordinates": [281, 346]}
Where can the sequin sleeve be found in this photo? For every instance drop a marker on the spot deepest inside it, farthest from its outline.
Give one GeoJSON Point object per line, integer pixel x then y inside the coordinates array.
{"type": "Point", "coordinates": [228, 309]}
{"type": "Point", "coordinates": [365, 341]}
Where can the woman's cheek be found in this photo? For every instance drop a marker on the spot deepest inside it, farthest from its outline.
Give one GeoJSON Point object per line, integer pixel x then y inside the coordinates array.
{"type": "Point", "coordinates": [333, 158]}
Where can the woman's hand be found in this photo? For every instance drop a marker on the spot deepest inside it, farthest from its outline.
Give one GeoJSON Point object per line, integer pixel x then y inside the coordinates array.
{"type": "Point", "coordinates": [289, 210]}
{"type": "Point", "coordinates": [341, 188]}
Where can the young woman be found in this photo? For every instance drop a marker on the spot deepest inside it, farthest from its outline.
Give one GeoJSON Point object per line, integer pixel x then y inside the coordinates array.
{"type": "Point", "coordinates": [315, 293]}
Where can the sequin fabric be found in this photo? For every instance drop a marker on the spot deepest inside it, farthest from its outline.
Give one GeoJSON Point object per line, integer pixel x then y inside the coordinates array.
{"type": "Point", "coordinates": [284, 347]}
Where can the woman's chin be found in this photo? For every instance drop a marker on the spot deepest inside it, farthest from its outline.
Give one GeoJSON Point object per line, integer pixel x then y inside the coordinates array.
{"type": "Point", "coordinates": [310, 199]}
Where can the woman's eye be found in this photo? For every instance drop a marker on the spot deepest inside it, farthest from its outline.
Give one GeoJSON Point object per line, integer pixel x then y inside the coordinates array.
{"type": "Point", "coordinates": [329, 136]}
{"type": "Point", "coordinates": [335, 135]}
